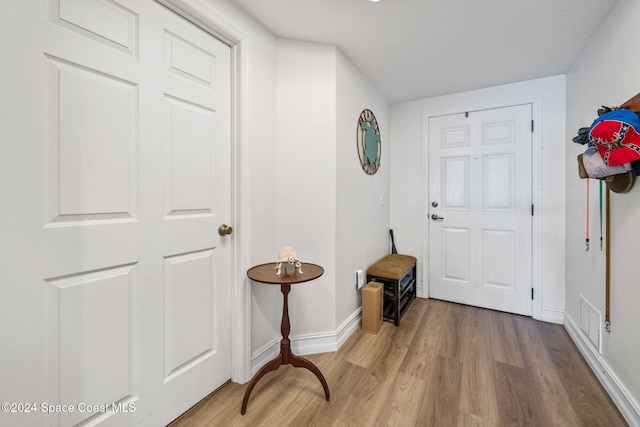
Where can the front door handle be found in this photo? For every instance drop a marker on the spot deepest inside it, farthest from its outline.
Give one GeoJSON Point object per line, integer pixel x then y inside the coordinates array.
{"type": "Point", "coordinates": [436, 217]}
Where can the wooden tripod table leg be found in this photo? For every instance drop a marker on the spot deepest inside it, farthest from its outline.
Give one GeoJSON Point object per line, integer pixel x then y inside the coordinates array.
{"type": "Point", "coordinates": [271, 366]}
{"type": "Point", "coordinates": [299, 362]}
{"type": "Point", "coordinates": [286, 357]}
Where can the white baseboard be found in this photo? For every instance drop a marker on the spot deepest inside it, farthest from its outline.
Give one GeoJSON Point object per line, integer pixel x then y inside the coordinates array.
{"type": "Point", "coordinates": [263, 355]}
{"type": "Point", "coordinates": [349, 326]}
{"type": "Point", "coordinates": [308, 344]}
{"type": "Point", "coordinates": [552, 315]}
{"type": "Point", "coordinates": [621, 397]}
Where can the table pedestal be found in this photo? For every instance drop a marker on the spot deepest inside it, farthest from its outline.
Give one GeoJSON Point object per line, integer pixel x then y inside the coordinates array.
{"type": "Point", "coordinates": [286, 357]}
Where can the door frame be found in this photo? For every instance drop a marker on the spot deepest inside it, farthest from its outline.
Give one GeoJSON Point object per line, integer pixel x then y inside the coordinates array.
{"type": "Point", "coordinates": [536, 190]}
{"type": "Point", "coordinates": [211, 21]}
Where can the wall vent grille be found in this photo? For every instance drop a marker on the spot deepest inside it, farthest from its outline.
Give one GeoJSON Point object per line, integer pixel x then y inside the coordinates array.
{"type": "Point", "coordinates": [591, 323]}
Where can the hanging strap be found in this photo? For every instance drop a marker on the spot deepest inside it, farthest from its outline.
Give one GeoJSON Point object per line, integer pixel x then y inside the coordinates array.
{"type": "Point", "coordinates": [586, 240]}
{"type": "Point", "coordinates": [601, 215]}
{"type": "Point", "coordinates": [607, 318]}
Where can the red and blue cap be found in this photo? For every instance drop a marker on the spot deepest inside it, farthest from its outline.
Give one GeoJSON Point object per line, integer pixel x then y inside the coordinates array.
{"type": "Point", "coordinates": [616, 134]}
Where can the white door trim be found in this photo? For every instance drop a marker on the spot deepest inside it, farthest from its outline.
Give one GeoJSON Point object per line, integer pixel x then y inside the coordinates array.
{"type": "Point", "coordinates": [210, 20]}
{"type": "Point", "coordinates": [536, 190]}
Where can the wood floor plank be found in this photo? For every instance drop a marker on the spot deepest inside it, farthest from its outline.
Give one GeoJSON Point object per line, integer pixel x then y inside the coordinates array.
{"type": "Point", "coordinates": [344, 377]}
{"type": "Point", "coordinates": [441, 401]}
{"type": "Point", "coordinates": [369, 347]}
{"type": "Point", "coordinates": [445, 365]}
{"type": "Point", "coordinates": [519, 404]}
{"type": "Point", "coordinates": [503, 339]}
{"type": "Point", "coordinates": [478, 387]}
{"type": "Point", "coordinates": [586, 395]}
{"type": "Point", "coordinates": [402, 408]}
{"type": "Point", "coordinates": [546, 378]}
{"type": "Point", "coordinates": [450, 332]}
{"type": "Point", "coordinates": [471, 420]}
{"type": "Point", "coordinates": [425, 342]}
{"type": "Point", "coordinates": [375, 386]}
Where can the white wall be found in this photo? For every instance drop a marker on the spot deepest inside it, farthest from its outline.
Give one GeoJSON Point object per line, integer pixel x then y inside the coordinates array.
{"type": "Point", "coordinates": [606, 74]}
{"type": "Point", "coordinates": [306, 175]}
{"type": "Point", "coordinates": [327, 207]}
{"type": "Point", "coordinates": [362, 227]}
{"type": "Point", "coordinates": [408, 203]}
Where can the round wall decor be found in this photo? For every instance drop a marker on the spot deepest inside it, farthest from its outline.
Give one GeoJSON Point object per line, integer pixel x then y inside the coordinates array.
{"type": "Point", "coordinates": [368, 141]}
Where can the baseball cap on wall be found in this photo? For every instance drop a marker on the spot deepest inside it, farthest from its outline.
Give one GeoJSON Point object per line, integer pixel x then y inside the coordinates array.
{"type": "Point", "coordinates": [621, 182]}
{"type": "Point", "coordinates": [618, 179]}
{"type": "Point", "coordinates": [617, 136]}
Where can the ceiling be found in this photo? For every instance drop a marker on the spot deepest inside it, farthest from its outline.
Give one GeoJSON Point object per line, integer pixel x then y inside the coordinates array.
{"type": "Point", "coordinates": [412, 49]}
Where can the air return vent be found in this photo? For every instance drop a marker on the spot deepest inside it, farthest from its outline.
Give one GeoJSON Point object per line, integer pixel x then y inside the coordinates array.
{"type": "Point", "coordinates": [590, 322]}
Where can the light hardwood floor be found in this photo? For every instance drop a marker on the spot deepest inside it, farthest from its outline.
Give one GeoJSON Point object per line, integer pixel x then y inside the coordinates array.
{"type": "Point", "coordinates": [445, 365]}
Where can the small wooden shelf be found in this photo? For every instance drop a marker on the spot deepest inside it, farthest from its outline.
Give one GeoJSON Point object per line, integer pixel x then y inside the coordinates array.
{"type": "Point", "coordinates": [398, 275]}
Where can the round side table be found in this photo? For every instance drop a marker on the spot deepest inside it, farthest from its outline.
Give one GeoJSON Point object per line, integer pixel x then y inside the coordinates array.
{"type": "Point", "coordinates": [266, 273]}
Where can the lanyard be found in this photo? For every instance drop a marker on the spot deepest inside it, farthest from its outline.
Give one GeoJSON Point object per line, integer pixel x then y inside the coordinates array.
{"type": "Point", "coordinates": [601, 216]}
{"type": "Point", "coordinates": [587, 221]}
{"type": "Point", "coordinates": [607, 231]}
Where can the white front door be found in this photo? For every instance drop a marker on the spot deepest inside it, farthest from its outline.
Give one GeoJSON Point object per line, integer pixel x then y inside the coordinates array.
{"type": "Point", "coordinates": [115, 177]}
{"type": "Point", "coordinates": [480, 208]}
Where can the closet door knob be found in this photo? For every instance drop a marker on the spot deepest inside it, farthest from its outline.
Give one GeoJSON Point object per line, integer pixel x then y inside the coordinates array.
{"type": "Point", "coordinates": [224, 230]}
